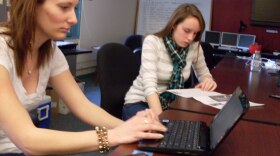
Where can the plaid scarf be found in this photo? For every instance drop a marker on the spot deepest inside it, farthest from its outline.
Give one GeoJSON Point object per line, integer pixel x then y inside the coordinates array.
{"type": "Point", "coordinates": [178, 57]}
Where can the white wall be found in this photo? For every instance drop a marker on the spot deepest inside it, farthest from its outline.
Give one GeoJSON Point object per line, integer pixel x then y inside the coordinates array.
{"type": "Point", "coordinates": [106, 21]}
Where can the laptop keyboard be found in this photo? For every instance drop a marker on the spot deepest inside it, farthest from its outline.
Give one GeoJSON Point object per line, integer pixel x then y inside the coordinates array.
{"type": "Point", "coordinates": [181, 135]}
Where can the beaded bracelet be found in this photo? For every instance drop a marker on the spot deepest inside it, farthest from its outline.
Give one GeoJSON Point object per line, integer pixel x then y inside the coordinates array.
{"type": "Point", "coordinates": [102, 135]}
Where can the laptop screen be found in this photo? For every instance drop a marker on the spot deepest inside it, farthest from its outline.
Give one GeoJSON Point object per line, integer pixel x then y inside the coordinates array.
{"type": "Point", "coordinates": [213, 37]}
{"type": "Point", "coordinates": [245, 41]}
{"type": "Point", "coordinates": [229, 39]}
{"type": "Point", "coordinates": [224, 121]}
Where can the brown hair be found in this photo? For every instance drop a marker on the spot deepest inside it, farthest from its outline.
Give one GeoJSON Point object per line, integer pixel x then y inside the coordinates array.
{"type": "Point", "coordinates": [21, 30]}
{"type": "Point", "coordinates": [179, 15]}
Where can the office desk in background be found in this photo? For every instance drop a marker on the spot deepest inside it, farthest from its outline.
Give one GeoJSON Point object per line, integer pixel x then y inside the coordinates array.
{"type": "Point", "coordinates": [229, 74]}
{"type": "Point", "coordinates": [247, 138]}
{"type": "Point", "coordinates": [71, 57]}
{"type": "Point", "coordinates": [218, 52]}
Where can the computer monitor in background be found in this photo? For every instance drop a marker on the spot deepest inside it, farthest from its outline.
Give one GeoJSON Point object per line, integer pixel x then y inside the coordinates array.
{"type": "Point", "coordinates": [213, 37]}
{"type": "Point", "coordinates": [244, 41]}
{"type": "Point", "coordinates": [229, 40]}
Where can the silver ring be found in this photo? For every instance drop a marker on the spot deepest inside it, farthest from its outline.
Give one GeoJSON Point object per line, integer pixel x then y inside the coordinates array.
{"type": "Point", "coordinates": [146, 121]}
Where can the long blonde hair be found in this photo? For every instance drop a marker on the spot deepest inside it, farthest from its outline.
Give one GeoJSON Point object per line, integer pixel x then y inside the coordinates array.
{"type": "Point", "coordinates": [21, 30]}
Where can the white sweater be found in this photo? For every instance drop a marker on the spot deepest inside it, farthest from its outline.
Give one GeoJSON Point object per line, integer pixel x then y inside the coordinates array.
{"type": "Point", "coordinates": [156, 68]}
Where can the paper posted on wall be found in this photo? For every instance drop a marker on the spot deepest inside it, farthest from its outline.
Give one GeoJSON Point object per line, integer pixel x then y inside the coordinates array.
{"type": "Point", "coordinates": [213, 99]}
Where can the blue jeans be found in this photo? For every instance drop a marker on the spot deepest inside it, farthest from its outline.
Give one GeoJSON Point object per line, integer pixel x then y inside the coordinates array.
{"type": "Point", "coordinates": [130, 109]}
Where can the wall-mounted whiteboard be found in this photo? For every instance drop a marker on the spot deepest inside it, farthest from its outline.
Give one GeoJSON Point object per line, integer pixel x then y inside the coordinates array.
{"type": "Point", "coordinates": [154, 14]}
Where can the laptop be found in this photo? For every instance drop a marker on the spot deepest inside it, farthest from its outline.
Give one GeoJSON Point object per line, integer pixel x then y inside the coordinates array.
{"type": "Point", "coordinates": [195, 137]}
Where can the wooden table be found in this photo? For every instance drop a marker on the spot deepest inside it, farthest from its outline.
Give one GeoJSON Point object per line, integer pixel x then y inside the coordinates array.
{"type": "Point", "coordinates": [247, 138]}
{"type": "Point", "coordinates": [229, 74]}
{"type": "Point", "coordinates": [258, 133]}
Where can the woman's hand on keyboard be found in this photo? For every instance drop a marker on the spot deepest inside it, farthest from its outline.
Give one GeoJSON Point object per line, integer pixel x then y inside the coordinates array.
{"type": "Point", "coordinates": [144, 125]}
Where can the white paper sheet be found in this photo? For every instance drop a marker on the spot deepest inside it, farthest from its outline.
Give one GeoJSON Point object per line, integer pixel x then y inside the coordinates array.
{"type": "Point", "coordinates": [219, 104]}
{"type": "Point", "coordinates": [193, 92]}
{"type": "Point", "coordinates": [213, 99]}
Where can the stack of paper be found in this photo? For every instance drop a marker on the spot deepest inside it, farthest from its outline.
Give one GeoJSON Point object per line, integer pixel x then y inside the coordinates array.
{"type": "Point", "coordinates": [213, 99]}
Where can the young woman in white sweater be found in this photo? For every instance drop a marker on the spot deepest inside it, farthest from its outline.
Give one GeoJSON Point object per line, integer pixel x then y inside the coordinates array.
{"type": "Point", "coordinates": [167, 57]}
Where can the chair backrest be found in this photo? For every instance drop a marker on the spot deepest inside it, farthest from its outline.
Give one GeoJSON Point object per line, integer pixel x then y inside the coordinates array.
{"type": "Point", "coordinates": [208, 51]}
{"type": "Point", "coordinates": [134, 41]}
{"type": "Point", "coordinates": [117, 67]}
{"type": "Point", "coordinates": [192, 81]}
{"type": "Point", "coordinates": [138, 54]}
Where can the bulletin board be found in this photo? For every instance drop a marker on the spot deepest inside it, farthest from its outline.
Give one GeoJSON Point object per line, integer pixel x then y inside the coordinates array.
{"type": "Point", "coordinates": [152, 15]}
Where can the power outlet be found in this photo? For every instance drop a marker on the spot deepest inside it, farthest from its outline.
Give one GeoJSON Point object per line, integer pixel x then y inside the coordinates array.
{"type": "Point", "coordinates": [271, 31]}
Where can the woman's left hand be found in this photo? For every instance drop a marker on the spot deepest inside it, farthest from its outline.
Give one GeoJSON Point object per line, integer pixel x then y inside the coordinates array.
{"type": "Point", "coordinates": [208, 84]}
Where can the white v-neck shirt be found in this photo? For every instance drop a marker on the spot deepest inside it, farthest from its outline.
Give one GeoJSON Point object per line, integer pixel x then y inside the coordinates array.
{"type": "Point", "coordinates": [56, 65]}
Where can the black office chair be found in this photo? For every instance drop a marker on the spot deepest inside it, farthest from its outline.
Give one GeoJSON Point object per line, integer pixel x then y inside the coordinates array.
{"type": "Point", "coordinates": [117, 67]}
{"type": "Point", "coordinates": [208, 51]}
{"type": "Point", "coordinates": [138, 53]}
{"type": "Point", "coordinates": [192, 81]}
{"type": "Point", "coordinates": [134, 41]}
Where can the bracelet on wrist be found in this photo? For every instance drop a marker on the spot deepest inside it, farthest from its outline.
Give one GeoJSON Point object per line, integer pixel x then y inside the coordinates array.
{"type": "Point", "coordinates": [102, 135]}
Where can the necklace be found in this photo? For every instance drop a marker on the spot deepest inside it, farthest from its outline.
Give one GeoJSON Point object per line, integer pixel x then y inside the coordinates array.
{"type": "Point", "coordinates": [29, 72]}
{"type": "Point", "coordinates": [29, 63]}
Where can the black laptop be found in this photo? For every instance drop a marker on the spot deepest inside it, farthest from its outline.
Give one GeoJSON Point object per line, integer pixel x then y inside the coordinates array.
{"type": "Point", "coordinates": [195, 137]}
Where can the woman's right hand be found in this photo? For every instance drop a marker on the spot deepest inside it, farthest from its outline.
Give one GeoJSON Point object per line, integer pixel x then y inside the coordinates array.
{"type": "Point", "coordinates": [144, 125]}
